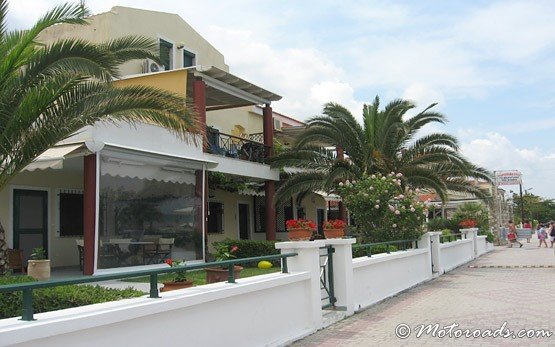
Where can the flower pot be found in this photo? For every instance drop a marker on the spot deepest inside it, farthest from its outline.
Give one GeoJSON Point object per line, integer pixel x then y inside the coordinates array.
{"type": "Point", "coordinates": [334, 233]}
{"type": "Point", "coordinates": [168, 286]}
{"type": "Point", "coordinates": [299, 234]}
{"type": "Point", "coordinates": [218, 274]}
{"type": "Point", "coordinates": [39, 269]}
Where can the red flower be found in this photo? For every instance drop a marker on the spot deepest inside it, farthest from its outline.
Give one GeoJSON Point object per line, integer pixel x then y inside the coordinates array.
{"type": "Point", "coordinates": [234, 249]}
{"type": "Point", "coordinates": [169, 261]}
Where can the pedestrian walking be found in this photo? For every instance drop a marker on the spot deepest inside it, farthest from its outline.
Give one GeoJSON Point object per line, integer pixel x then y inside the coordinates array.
{"type": "Point", "coordinates": [552, 232]}
{"type": "Point", "coordinates": [528, 225]}
{"type": "Point", "coordinates": [511, 236]}
{"type": "Point", "coordinates": [542, 235]}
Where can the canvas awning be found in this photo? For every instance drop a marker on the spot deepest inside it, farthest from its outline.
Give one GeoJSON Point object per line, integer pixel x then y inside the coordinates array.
{"type": "Point", "coordinates": [53, 158]}
{"type": "Point", "coordinates": [328, 197]}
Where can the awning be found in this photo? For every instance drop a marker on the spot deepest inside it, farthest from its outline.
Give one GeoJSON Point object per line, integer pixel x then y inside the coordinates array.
{"type": "Point", "coordinates": [53, 158]}
{"type": "Point", "coordinates": [328, 197]}
{"type": "Point", "coordinates": [144, 171]}
{"type": "Point", "coordinates": [225, 90]}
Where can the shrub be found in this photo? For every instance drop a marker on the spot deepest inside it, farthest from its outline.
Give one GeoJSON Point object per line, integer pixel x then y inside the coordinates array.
{"type": "Point", "coordinates": [489, 236]}
{"type": "Point", "coordinates": [437, 224]}
{"type": "Point", "coordinates": [248, 248]}
{"type": "Point", "coordinates": [382, 209]}
{"type": "Point", "coordinates": [58, 298]}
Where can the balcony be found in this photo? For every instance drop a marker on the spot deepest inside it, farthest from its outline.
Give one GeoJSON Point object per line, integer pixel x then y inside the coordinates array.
{"type": "Point", "coordinates": [235, 147]}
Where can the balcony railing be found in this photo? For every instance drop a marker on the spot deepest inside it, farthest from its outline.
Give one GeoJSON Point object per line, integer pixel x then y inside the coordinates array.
{"type": "Point", "coordinates": [235, 147]}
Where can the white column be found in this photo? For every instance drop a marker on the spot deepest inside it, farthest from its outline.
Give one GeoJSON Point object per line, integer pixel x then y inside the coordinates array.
{"type": "Point", "coordinates": [307, 260]}
{"type": "Point", "coordinates": [343, 273]}
{"type": "Point", "coordinates": [433, 237]}
{"type": "Point", "coordinates": [472, 234]}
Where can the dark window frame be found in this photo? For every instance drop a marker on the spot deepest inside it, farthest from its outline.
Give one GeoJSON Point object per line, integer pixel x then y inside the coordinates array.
{"type": "Point", "coordinates": [220, 227]}
{"type": "Point", "coordinates": [71, 203]}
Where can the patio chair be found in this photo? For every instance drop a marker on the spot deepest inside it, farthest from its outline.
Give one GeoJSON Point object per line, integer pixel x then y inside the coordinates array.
{"type": "Point", "coordinates": [15, 260]}
{"type": "Point", "coordinates": [150, 252]}
{"type": "Point", "coordinates": [80, 248]}
{"type": "Point", "coordinates": [164, 249]}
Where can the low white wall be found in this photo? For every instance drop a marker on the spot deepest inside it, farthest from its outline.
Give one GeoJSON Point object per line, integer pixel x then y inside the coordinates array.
{"type": "Point", "coordinates": [264, 310]}
{"type": "Point", "coordinates": [481, 245]}
{"type": "Point", "coordinates": [383, 275]}
{"type": "Point", "coordinates": [456, 253]}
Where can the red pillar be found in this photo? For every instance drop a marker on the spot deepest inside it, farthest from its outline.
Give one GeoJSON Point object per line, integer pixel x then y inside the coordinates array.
{"type": "Point", "coordinates": [199, 99]}
{"type": "Point", "coordinates": [269, 186]}
{"type": "Point", "coordinates": [89, 212]}
{"type": "Point", "coordinates": [342, 209]}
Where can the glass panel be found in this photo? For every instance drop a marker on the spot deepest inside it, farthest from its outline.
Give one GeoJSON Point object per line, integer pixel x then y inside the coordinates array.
{"type": "Point", "coordinates": [27, 242]}
{"type": "Point", "coordinates": [153, 215]}
{"type": "Point", "coordinates": [31, 212]}
{"type": "Point", "coordinates": [166, 52]}
{"type": "Point", "coordinates": [188, 59]}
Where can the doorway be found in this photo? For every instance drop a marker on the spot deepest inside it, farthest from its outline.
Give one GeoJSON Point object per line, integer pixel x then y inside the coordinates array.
{"type": "Point", "coordinates": [243, 219]}
{"type": "Point", "coordinates": [30, 221]}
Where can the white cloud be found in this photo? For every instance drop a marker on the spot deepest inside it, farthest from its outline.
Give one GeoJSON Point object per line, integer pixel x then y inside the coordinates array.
{"type": "Point", "coordinates": [497, 152]}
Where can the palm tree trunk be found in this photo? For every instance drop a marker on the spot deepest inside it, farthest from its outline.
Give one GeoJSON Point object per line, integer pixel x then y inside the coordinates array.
{"type": "Point", "coordinates": [3, 250]}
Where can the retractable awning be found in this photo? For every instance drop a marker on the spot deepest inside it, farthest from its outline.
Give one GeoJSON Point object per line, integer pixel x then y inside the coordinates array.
{"type": "Point", "coordinates": [53, 158]}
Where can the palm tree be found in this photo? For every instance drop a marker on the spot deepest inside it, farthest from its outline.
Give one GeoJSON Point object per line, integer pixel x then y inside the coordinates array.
{"type": "Point", "coordinates": [387, 141]}
{"type": "Point", "coordinates": [48, 92]}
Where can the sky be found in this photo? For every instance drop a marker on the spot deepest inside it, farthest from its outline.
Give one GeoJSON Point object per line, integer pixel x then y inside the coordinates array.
{"type": "Point", "coordinates": [488, 64]}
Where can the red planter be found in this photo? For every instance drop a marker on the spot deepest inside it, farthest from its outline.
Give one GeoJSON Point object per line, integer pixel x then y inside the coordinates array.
{"type": "Point", "coordinates": [334, 233]}
{"type": "Point", "coordinates": [218, 274]}
{"type": "Point", "coordinates": [299, 234]}
{"type": "Point", "coordinates": [169, 286]}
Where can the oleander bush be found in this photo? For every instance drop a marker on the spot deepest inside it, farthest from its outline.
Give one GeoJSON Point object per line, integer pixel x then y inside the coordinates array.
{"type": "Point", "coordinates": [58, 298]}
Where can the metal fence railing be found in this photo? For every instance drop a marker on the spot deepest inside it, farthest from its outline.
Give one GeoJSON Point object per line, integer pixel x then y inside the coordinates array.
{"type": "Point", "coordinates": [451, 237]}
{"type": "Point", "coordinates": [399, 245]}
{"type": "Point", "coordinates": [235, 147]}
{"type": "Point", "coordinates": [28, 287]}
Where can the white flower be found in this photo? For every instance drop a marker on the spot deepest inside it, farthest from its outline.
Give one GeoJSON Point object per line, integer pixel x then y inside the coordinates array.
{"type": "Point", "coordinates": [418, 218]}
{"type": "Point", "coordinates": [397, 212]}
{"type": "Point", "coordinates": [391, 208]}
{"type": "Point", "coordinates": [371, 188]}
{"type": "Point", "coordinates": [385, 191]}
{"type": "Point", "coordinates": [401, 196]}
{"type": "Point", "coordinates": [412, 209]}
{"type": "Point", "coordinates": [347, 182]}
{"type": "Point", "coordinates": [383, 178]}
{"type": "Point", "coordinates": [341, 184]}
{"type": "Point", "coordinates": [377, 201]}
{"type": "Point", "coordinates": [399, 175]}
{"type": "Point", "coordinates": [394, 225]}
{"type": "Point", "coordinates": [366, 195]}
{"type": "Point", "coordinates": [373, 176]}
{"type": "Point", "coordinates": [376, 206]}
{"type": "Point", "coordinates": [354, 182]}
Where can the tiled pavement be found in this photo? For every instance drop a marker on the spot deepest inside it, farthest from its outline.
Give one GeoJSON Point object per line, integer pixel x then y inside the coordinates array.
{"type": "Point", "coordinates": [472, 297]}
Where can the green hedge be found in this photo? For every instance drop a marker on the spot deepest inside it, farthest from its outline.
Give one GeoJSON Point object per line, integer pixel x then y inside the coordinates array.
{"type": "Point", "coordinates": [363, 252]}
{"type": "Point", "coordinates": [250, 248]}
{"type": "Point", "coordinates": [58, 298]}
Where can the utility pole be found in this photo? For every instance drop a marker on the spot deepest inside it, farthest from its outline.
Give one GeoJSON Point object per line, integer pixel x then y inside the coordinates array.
{"type": "Point", "coordinates": [521, 205]}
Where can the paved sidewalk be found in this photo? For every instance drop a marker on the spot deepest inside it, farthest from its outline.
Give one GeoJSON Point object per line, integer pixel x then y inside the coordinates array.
{"type": "Point", "coordinates": [471, 297]}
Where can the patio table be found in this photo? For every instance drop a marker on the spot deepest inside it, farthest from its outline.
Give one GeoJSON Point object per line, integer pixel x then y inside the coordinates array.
{"type": "Point", "coordinates": [142, 245]}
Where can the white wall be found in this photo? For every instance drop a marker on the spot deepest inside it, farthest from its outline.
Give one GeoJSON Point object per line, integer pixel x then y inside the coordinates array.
{"type": "Point", "coordinates": [456, 253]}
{"type": "Point", "coordinates": [384, 275]}
{"type": "Point", "coordinates": [481, 245]}
{"type": "Point", "coordinates": [267, 310]}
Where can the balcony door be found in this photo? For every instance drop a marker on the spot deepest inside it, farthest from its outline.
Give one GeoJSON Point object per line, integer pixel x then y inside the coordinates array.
{"type": "Point", "coordinates": [30, 220]}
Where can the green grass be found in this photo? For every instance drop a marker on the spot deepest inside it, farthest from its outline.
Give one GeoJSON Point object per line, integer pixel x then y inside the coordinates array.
{"type": "Point", "coordinates": [199, 277]}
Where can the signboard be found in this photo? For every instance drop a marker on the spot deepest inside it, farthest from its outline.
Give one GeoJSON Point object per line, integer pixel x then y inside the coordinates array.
{"type": "Point", "coordinates": [508, 178]}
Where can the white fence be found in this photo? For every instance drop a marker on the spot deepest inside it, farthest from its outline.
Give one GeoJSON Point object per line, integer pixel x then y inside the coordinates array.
{"type": "Point", "coordinates": [269, 310]}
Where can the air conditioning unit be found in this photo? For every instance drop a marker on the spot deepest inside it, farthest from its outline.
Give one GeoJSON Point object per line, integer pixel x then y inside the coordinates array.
{"type": "Point", "coordinates": [152, 66]}
{"type": "Point", "coordinates": [277, 124]}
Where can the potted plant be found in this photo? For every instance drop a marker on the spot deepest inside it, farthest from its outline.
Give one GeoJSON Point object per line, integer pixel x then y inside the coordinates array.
{"type": "Point", "coordinates": [220, 274]}
{"type": "Point", "coordinates": [334, 229]}
{"type": "Point", "coordinates": [38, 266]}
{"type": "Point", "coordinates": [300, 229]}
{"type": "Point", "coordinates": [180, 280]}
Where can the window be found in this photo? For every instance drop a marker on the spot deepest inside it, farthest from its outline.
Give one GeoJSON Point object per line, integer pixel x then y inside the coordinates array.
{"type": "Point", "coordinates": [188, 59]}
{"type": "Point", "coordinates": [166, 54]}
{"type": "Point", "coordinates": [216, 217]}
{"type": "Point", "coordinates": [71, 213]}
